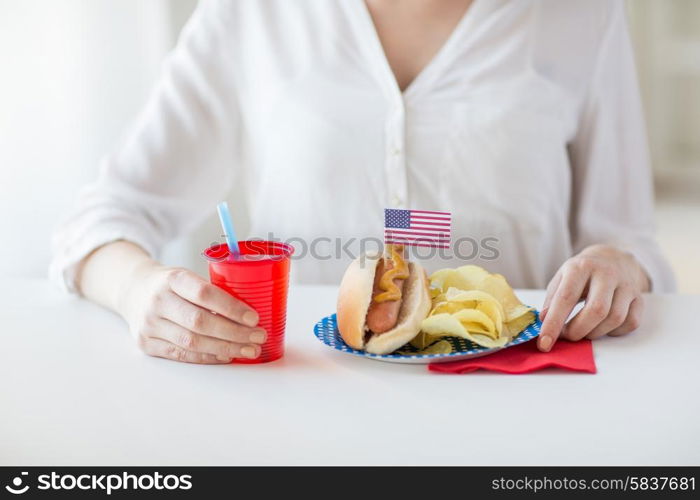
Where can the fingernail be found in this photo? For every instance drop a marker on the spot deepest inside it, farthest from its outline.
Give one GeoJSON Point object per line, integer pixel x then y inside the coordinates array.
{"type": "Point", "coordinates": [258, 337]}
{"type": "Point", "coordinates": [250, 318]}
{"type": "Point", "coordinates": [249, 352]}
{"type": "Point", "coordinates": [545, 343]}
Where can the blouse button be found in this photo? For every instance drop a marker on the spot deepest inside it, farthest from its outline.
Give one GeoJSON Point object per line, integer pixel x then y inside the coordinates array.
{"type": "Point", "coordinates": [396, 201]}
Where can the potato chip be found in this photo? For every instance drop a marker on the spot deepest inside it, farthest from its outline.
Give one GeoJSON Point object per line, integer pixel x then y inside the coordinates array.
{"type": "Point", "coordinates": [439, 298]}
{"type": "Point", "coordinates": [440, 347]}
{"type": "Point", "coordinates": [448, 307]}
{"type": "Point", "coordinates": [476, 321]}
{"type": "Point", "coordinates": [517, 325]}
{"type": "Point", "coordinates": [446, 278]}
{"type": "Point", "coordinates": [476, 296]}
{"type": "Point", "coordinates": [422, 340]}
{"type": "Point", "coordinates": [447, 325]}
{"type": "Point", "coordinates": [493, 311]}
{"type": "Point", "coordinates": [471, 303]}
{"type": "Point", "coordinates": [472, 276]}
{"type": "Point", "coordinates": [497, 286]}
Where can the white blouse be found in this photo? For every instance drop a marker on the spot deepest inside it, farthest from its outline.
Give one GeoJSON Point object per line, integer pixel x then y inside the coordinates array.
{"type": "Point", "coordinates": [526, 125]}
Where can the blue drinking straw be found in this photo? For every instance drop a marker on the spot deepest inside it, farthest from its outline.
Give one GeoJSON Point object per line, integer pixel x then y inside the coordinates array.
{"type": "Point", "coordinates": [227, 226]}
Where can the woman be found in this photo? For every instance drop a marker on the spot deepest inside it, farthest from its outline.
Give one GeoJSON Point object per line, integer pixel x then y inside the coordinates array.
{"type": "Point", "coordinates": [521, 117]}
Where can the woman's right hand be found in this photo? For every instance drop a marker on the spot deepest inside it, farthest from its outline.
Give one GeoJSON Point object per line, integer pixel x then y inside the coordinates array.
{"type": "Point", "coordinates": [173, 313]}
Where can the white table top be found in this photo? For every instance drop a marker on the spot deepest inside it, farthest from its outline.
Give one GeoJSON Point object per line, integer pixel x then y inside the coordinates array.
{"type": "Point", "coordinates": [75, 390]}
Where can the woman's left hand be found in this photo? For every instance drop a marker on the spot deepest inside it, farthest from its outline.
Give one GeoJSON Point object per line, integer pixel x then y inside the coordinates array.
{"type": "Point", "coordinates": [609, 280]}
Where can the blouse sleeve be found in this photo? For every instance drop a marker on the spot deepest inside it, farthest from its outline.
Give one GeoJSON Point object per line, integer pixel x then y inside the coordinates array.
{"type": "Point", "coordinates": [175, 162]}
{"type": "Point", "coordinates": [613, 199]}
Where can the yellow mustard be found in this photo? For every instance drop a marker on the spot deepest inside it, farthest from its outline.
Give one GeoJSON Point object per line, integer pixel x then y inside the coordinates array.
{"type": "Point", "coordinates": [399, 271]}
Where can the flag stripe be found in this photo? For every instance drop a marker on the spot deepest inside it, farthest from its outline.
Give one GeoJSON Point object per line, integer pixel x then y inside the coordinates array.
{"type": "Point", "coordinates": [430, 212]}
{"type": "Point", "coordinates": [437, 234]}
{"type": "Point", "coordinates": [423, 217]}
{"type": "Point", "coordinates": [413, 244]}
{"type": "Point", "coordinates": [430, 225]}
{"type": "Point", "coordinates": [419, 238]}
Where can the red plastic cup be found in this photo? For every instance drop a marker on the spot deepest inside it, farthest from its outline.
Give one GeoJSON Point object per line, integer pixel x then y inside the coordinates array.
{"type": "Point", "coordinates": [258, 276]}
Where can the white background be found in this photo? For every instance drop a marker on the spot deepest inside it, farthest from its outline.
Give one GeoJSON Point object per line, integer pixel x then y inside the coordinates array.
{"type": "Point", "coordinates": [74, 75]}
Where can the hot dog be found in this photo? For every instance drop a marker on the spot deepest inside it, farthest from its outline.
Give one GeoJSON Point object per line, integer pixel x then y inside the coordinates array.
{"type": "Point", "coordinates": [383, 311]}
{"type": "Point", "coordinates": [382, 301]}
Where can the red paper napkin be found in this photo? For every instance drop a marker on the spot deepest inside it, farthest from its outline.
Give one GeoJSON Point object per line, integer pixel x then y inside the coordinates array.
{"type": "Point", "coordinates": [525, 358]}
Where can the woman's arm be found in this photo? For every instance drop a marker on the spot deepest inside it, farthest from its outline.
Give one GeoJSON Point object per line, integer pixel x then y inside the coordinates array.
{"type": "Point", "coordinates": [612, 218]}
{"type": "Point", "coordinates": [169, 310]}
{"type": "Point", "coordinates": [106, 273]}
{"type": "Point", "coordinates": [176, 162]}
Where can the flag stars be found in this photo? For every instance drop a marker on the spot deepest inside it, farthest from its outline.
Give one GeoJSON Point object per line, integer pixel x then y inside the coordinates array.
{"type": "Point", "coordinates": [397, 218]}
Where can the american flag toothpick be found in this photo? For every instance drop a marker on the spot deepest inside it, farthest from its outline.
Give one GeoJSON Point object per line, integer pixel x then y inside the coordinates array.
{"type": "Point", "coordinates": [420, 228]}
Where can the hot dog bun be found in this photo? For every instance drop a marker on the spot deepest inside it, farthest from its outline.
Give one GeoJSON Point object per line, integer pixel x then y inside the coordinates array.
{"type": "Point", "coordinates": [354, 299]}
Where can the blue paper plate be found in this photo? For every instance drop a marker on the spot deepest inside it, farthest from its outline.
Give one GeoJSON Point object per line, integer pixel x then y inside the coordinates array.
{"type": "Point", "coordinates": [327, 332]}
